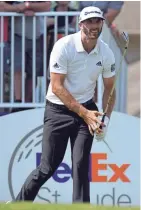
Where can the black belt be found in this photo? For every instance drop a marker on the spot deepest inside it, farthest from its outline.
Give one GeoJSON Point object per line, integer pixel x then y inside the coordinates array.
{"type": "Point", "coordinates": [61, 106]}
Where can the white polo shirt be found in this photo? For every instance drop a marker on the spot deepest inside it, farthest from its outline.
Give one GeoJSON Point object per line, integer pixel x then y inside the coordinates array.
{"type": "Point", "coordinates": [82, 69]}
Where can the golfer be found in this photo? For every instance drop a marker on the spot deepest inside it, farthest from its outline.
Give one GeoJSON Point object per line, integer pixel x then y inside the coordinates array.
{"type": "Point", "coordinates": [71, 114]}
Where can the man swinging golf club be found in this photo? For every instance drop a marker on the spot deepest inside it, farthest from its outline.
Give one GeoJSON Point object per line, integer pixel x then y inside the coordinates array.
{"type": "Point", "coordinates": [76, 62]}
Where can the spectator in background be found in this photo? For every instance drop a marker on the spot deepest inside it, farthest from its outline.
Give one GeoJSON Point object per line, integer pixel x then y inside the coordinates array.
{"type": "Point", "coordinates": [62, 6]}
{"type": "Point", "coordinates": [27, 8]}
{"type": "Point", "coordinates": [110, 9]}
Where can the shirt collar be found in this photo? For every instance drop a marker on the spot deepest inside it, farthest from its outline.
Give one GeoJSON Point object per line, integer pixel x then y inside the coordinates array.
{"type": "Point", "coordinates": [79, 47]}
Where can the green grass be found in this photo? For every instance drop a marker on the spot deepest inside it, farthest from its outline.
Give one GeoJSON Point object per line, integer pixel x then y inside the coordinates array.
{"type": "Point", "coordinates": [29, 206]}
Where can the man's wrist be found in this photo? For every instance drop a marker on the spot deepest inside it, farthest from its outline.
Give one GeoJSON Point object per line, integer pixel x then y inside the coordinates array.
{"type": "Point", "coordinates": [82, 112]}
{"type": "Point", "coordinates": [20, 8]}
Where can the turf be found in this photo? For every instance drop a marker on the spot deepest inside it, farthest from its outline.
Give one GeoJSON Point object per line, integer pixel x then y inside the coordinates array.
{"type": "Point", "coordinates": [29, 206]}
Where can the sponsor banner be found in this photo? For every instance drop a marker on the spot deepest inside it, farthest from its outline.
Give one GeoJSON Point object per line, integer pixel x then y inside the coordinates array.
{"type": "Point", "coordinates": [114, 176]}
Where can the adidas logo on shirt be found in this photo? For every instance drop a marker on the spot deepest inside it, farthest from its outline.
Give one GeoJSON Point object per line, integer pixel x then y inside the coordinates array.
{"type": "Point", "coordinates": [56, 66]}
{"type": "Point", "coordinates": [99, 63]}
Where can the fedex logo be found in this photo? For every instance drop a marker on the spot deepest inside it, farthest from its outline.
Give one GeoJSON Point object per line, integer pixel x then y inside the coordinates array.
{"type": "Point", "coordinates": [118, 172]}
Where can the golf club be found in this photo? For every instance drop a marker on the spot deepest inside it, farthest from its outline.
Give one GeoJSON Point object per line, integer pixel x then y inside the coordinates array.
{"type": "Point", "coordinates": [125, 39]}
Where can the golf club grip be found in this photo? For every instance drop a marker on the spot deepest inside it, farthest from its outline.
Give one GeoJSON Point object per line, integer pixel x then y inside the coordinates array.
{"type": "Point", "coordinates": [103, 118]}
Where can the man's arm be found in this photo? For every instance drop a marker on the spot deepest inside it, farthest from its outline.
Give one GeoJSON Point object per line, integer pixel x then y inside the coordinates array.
{"type": "Point", "coordinates": [108, 84]}
{"type": "Point", "coordinates": [114, 8]}
{"type": "Point", "coordinates": [22, 7]}
{"type": "Point", "coordinates": [111, 15]}
{"type": "Point", "coordinates": [57, 77]}
{"type": "Point", "coordinates": [6, 7]}
{"type": "Point", "coordinates": [39, 6]}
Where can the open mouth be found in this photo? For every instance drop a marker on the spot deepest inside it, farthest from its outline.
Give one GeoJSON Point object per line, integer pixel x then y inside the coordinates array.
{"type": "Point", "coordinates": [94, 32]}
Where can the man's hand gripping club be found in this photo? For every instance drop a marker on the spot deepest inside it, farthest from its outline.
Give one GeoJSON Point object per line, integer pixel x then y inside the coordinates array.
{"type": "Point", "coordinates": [101, 136]}
{"type": "Point", "coordinates": [95, 125]}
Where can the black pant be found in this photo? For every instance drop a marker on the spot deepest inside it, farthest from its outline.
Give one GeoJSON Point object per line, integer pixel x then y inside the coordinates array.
{"type": "Point", "coordinates": [60, 124]}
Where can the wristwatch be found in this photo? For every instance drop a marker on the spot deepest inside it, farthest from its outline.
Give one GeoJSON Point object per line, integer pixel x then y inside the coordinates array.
{"type": "Point", "coordinates": [27, 4]}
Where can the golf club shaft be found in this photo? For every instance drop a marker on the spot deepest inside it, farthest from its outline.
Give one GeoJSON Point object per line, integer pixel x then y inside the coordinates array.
{"type": "Point", "coordinates": [113, 88]}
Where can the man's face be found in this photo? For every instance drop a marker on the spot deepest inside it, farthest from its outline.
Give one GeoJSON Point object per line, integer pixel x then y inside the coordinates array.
{"type": "Point", "coordinates": [92, 27]}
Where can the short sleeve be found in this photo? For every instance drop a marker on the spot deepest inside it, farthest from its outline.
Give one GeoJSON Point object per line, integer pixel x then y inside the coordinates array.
{"type": "Point", "coordinates": [117, 5]}
{"type": "Point", "coordinates": [109, 64]}
{"type": "Point", "coordinates": [58, 58]}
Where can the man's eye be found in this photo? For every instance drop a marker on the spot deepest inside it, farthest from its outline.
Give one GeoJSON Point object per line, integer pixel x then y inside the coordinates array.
{"type": "Point", "coordinates": [89, 21]}
{"type": "Point", "coordinates": [98, 20]}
